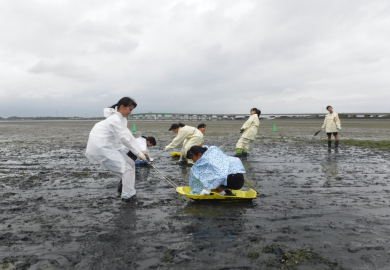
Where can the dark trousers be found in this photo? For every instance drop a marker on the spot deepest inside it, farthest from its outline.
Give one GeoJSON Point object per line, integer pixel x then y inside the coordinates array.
{"type": "Point", "coordinates": [132, 156]}
{"type": "Point", "coordinates": [235, 181]}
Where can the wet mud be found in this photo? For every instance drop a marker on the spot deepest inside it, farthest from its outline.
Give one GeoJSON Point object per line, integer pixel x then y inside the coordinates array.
{"type": "Point", "coordinates": [316, 209]}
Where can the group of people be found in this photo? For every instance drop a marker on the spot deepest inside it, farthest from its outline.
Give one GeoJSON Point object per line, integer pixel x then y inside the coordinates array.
{"type": "Point", "coordinates": [113, 146]}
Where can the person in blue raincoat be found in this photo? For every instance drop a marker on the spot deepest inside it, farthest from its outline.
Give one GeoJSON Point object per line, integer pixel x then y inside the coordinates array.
{"type": "Point", "coordinates": [213, 169]}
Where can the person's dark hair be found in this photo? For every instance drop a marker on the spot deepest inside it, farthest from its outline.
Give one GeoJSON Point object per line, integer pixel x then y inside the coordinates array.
{"type": "Point", "coordinates": [258, 112]}
{"type": "Point", "coordinates": [195, 150]}
{"type": "Point", "coordinates": [175, 126]}
{"type": "Point", "coordinates": [151, 139]}
{"type": "Point", "coordinates": [203, 125]}
{"type": "Point", "coordinates": [125, 101]}
{"type": "Point", "coordinates": [328, 107]}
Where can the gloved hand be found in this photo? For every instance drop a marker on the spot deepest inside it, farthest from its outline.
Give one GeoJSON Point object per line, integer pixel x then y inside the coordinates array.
{"type": "Point", "coordinates": [205, 192]}
{"type": "Point", "coordinates": [166, 148]}
{"type": "Point", "coordinates": [242, 130]}
{"type": "Point", "coordinates": [339, 128]}
{"type": "Point", "coordinates": [141, 156]}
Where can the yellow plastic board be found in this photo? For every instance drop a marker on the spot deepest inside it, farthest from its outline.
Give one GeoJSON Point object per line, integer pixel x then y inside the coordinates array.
{"type": "Point", "coordinates": [176, 154]}
{"type": "Point", "coordinates": [214, 195]}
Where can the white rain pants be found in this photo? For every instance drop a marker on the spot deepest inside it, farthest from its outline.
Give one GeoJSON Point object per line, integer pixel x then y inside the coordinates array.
{"type": "Point", "coordinates": [128, 178]}
{"type": "Point", "coordinates": [243, 143]}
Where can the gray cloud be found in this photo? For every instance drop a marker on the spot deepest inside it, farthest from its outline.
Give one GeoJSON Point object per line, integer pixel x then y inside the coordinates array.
{"type": "Point", "coordinates": [199, 56]}
{"type": "Point", "coordinates": [64, 70]}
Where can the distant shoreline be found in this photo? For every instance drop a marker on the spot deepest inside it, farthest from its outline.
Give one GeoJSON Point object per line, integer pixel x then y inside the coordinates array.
{"type": "Point", "coordinates": [192, 120]}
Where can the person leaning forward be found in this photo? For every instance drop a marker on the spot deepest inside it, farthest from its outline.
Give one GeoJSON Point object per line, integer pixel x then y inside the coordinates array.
{"type": "Point", "coordinates": [192, 136]}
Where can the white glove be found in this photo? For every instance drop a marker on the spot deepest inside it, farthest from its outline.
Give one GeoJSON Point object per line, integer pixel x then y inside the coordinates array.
{"type": "Point", "coordinates": [166, 148]}
{"type": "Point", "coordinates": [339, 128]}
{"type": "Point", "coordinates": [141, 156]}
{"type": "Point", "coordinates": [205, 192]}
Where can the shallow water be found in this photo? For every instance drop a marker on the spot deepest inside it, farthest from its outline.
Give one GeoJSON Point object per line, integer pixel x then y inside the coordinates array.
{"type": "Point", "coordinates": [58, 211]}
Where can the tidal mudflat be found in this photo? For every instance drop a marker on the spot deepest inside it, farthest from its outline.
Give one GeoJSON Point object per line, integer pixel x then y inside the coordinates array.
{"type": "Point", "coordinates": [315, 209]}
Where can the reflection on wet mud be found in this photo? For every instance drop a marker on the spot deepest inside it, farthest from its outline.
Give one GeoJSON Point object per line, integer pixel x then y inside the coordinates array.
{"type": "Point", "coordinates": [330, 168]}
{"type": "Point", "coordinates": [216, 222]}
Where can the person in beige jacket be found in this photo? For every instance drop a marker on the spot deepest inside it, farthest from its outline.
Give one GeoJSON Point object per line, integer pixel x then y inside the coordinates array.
{"type": "Point", "coordinates": [191, 135]}
{"type": "Point", "coordinates": [249, 132]}
{"type": "Point", "coordinates": [331, 125]}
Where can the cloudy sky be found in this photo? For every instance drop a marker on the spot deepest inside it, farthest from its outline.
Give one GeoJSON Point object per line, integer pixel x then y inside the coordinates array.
{"type": "Point", "coordinates": [73, 58]}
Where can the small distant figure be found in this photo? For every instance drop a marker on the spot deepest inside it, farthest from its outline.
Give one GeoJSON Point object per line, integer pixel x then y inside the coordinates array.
{"type": "Point", "coordinates": [202, 128]}
{"type": "Point", "coordinates": [332, 125]}
{"type": "Point", "coordinates": [191, 135]}
{"type": "Point", "coordinates": [249, 132]}
{"type": "Point", "coordinates": [213, 169]}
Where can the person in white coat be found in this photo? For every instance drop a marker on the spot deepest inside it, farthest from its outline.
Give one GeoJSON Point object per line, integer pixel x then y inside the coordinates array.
{"type": "Point", "coordinates": [144, 143]}
{"type": "Point", "coordinates": [191, 135]}
{"type": "Point", "coordinates": [108, 143]}
{"type": "Point", "coordinates": [249, 132]}
{"type": "Point", "coordinates": [332, 125]}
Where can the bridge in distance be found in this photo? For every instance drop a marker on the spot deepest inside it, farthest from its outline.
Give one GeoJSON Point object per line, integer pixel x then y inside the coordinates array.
{"type": "Point", "coordinates": [225, 116]}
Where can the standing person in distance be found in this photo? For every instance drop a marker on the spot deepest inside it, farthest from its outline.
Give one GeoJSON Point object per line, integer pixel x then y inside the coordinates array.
{"type": "Point", "coordinates": [332, 125]}
{"type": "Point", "coordinates": [108, 141]}
{"type": "Point", "coordinates": [191, 135]}
{"type": "Point", "coordinates": [249, 132]}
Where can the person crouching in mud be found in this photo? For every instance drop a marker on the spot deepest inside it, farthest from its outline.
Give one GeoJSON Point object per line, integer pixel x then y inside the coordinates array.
{"type": "Point", "coordinates": [191, 135]}
{"type": "Point", "coordinates": [144, 143]}
{"type": "Point", "coordinates": [249, 132]}
{"type": "Point", "coordinates": [332, 124]}
{"type": "Point", "coordinates": [108, 141]}
{"type": "Point", "coordinates": [213, 169]}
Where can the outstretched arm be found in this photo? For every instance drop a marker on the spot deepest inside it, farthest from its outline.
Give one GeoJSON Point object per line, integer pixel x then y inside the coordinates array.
{"type": "Point", "coordinates": [177, 140]}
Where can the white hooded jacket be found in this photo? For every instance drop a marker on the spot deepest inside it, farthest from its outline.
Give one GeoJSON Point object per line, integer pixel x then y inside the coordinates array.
{"type": "Point", "coordinates": [108, 139]}
{"type": "Point", "coordinates": [250, 127]}
{"type": "Point", "coordinates": [332, 122]}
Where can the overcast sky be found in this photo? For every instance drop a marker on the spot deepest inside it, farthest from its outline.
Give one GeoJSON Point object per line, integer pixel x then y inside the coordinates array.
{"type": "Point", "coordinates": [73, 58]}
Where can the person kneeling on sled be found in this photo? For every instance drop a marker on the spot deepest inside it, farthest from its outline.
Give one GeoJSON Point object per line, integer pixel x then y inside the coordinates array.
{"type": "Point", "coordinates": [213, 169]}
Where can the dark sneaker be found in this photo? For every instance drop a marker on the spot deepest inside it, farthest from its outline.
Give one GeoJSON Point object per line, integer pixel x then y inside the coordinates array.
{"type": "Point", "coordinates": [132, 200]}
{"type": "Point", "coordinates": [245, 154]}
{"type": "Point", "coordinates": [228, 192]}
{"type": "Point", "coordinates": [238, 154]}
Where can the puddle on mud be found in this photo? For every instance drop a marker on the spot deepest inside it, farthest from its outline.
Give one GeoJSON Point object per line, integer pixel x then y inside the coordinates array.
{"type": "Point", "coordinates": [315, 210]}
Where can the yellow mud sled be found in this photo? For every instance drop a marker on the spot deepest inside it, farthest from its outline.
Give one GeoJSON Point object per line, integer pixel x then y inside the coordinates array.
{"type": "Point", "coordinates": [240, 195]}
